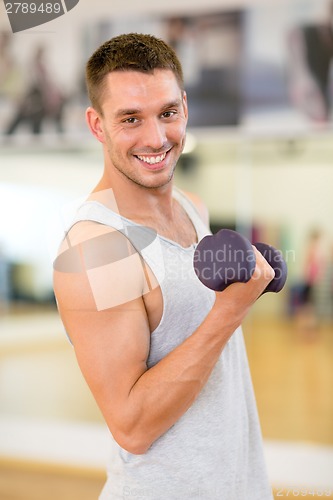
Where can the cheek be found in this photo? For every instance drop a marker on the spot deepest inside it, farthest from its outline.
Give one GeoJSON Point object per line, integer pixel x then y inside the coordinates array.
{"type": "Point", "coordinates": [121, 141]}
{"type": "Point", "coordinates": [179, 131]}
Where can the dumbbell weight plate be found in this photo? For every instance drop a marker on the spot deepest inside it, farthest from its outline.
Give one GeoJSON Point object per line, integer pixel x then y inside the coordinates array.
{"type": "Point", "coordinates": [224, 258]}
{"type": "Point", "coordinates": [276, 261]}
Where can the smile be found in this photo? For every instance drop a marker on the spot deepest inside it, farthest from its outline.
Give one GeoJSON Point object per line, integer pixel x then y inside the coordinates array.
{"type": "Point", "coordinates": [152, 160]}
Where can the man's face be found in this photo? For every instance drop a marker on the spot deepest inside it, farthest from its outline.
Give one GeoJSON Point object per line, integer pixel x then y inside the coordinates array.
{"type": "Point", "coordinates": [144, 124]}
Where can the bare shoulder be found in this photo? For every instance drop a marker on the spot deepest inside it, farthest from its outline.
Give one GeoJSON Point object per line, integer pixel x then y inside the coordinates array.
{"type": "Point", "coordinates": [97, 267]}
{"type": "Point", "coordinates": [200, 206]}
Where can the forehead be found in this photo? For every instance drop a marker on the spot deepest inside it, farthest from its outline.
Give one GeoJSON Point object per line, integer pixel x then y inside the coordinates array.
{"type": "Point", "coordinates": [135, 88]}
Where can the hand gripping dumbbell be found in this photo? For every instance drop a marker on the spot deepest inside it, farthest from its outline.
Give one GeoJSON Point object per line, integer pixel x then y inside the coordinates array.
{"type": "Point", "coordinates": [228, 257]}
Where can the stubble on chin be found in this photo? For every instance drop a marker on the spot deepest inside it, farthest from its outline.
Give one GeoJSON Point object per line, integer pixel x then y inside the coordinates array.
{"type": "Point", "coordinates": [154, 184]}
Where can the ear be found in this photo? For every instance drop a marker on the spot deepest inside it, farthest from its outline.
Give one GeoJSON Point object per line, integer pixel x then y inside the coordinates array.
{"type": "Point", "coordinates": [185, 105]}
{"type": "Point", "coordinates": [94, 121]}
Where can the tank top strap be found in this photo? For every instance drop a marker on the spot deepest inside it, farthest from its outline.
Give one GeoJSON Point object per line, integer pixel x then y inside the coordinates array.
{"type": "Point", "coordinates": [97, 212]}
{"type": "Point", "coordinates": [192, 212]}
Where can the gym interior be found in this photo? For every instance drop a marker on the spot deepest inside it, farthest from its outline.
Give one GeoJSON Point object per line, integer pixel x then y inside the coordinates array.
{"type": "Point", "coordinates": [259, 153]}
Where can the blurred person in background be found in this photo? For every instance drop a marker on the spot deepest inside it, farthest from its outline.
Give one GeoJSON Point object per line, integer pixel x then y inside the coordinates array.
{"type": "Point", "coordinates": [41, 101]}
{"type": "Point", "coordinates": [323, 290]}
{"type": "Point", "coordinates": [311, 53]}
{"type": "Point", "coordinates": [313, 274]}
{"type": "Point", "coordinates": [11, 78]}
{"type": "Point", "coordinates": [4, 281]}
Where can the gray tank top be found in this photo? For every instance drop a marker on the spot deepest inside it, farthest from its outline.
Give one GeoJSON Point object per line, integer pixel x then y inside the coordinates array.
{"type": "Point", "coordinates": [214, 451]}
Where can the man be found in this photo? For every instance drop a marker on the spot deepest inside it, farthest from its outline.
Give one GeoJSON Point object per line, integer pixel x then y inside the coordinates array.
{"type": "Point", "coordinates": [162, 354]}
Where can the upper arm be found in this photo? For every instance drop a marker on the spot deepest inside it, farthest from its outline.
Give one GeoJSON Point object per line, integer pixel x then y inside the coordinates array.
{"type": "Point", "coordinates": [104, 315]}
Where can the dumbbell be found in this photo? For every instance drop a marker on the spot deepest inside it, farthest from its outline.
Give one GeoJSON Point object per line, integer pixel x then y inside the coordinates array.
{"type": "Point", "coordinates": [228, 257]}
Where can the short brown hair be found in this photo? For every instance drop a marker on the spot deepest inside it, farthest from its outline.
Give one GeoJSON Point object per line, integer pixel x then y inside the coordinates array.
{"type": "Point", "coordinates": [132, 51]}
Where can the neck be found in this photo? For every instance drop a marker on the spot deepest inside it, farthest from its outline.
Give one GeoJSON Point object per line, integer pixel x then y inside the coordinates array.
{"type": "Point", "coordinates": [132, 200]}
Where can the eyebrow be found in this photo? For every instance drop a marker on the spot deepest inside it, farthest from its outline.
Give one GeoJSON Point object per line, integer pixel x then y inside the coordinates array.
{"type": "Point", "coordinates": [136, 111]}
{"type": "Point", "coordinates": [127, 112]}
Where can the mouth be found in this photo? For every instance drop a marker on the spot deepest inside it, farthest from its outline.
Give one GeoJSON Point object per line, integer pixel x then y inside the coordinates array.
{"type": "Point", "coordinates": [153, 162]}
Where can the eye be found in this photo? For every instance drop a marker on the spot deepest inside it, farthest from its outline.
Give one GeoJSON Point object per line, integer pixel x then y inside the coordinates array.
{"type": "Point", "coordinates": [169, 114]}
{"type": "Point", "coordinates": [131, 120]}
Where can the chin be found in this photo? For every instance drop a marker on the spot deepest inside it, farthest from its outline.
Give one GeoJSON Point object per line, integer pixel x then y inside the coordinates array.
{"type": "Point", "coordinates": [157, 180]}
{"type": "Point", "coordinates": [156, 184]}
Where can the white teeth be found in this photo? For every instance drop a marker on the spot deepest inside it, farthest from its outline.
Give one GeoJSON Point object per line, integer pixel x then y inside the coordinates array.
{"type": "Point", "coordinates": [152, 159]}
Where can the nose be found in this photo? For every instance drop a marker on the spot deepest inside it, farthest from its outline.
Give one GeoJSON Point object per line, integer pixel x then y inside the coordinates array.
{"type": "Point", "coordinates": [153, 134]}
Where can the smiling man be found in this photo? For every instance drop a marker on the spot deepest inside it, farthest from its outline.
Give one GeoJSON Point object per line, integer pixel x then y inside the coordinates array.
{"type": "Point", "coordinates": [162, 354]}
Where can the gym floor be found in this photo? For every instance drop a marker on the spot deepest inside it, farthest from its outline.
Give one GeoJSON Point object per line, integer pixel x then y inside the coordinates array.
{"type": "Point", "coordinates": [292, 376]}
